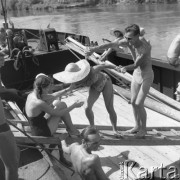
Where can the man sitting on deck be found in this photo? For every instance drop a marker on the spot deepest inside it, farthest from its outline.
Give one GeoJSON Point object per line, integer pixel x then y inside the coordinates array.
{"type": "Point", "coordinates": [87, 165]}
{"type": "Point", "coordinates": [174, 52]}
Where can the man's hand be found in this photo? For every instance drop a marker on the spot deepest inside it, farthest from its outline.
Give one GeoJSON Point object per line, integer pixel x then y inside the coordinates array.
{"type": "Point", "coordinates": [88, 51]}
{"type": "Point", "coordinates": [72, 86]}
{"type": "Point", "coordinates": [78, 103]}
{"type": "Point", "coordinates": [123, 70]}
{"type": "Point", "coordinates": [63, 136]}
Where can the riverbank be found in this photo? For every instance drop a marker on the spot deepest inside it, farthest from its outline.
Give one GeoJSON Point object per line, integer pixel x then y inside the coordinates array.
{"type": "Point", "coordinates": [60, 4]}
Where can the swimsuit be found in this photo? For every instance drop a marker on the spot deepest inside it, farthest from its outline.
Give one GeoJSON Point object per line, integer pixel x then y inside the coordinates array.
{"type": "Point", "coordinates": [143, 74]}
{"type": "Point", "coordinates": [39, 125]}
{"type": "Point", "coordinates": [96, 80]}
{"type": "Point", "coordinates": [4, 128]}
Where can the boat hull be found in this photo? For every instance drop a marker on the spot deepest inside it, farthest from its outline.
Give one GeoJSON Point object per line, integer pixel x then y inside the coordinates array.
{"type": "Point", "coordinates": [48, 63]}
{"type": "Point", "coordinates": [32, 165]}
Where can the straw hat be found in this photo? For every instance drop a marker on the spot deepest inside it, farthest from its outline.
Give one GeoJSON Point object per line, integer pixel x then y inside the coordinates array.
{"type": "Point", "coordinates": [73, 72]}
{"type": "Point", "coordinates": [112, 31]}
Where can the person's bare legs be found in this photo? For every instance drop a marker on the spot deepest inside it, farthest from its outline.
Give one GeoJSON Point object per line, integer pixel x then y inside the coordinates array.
{"type": "Point", "coordinates": [108, 95]}
{"type": "Point", "coordinates": [9, 155]}
{"type": "Point", "coordinates": [140, 105]}
{"type": "Point", "coordinates": [54, 121]}
{"type": "Point", "coordinates": [93, 96]}
{"type": "Point", "coordinates": [135, 87]}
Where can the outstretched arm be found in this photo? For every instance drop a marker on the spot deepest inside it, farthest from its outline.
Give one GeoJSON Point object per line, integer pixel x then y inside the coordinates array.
{"type": "Point", "coordinates": [100, 175]}
{"type": "Point", "coordinates": [133, 66]}
{"type": "Point", "coordinates": [105, 54]}
{"type": "Point", "coordinates": [49, 98]}
{"type": "Point", "coordinates": [103, 66]}
{"type": "Point", "coordinates": [114, 44]}
{"type": "Point", "coordinates": [56, 112]}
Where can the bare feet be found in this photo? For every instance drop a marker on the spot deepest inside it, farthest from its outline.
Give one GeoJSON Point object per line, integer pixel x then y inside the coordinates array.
{"type": "Point", "coordinates": [117, 134]}
{"type": "Point", "coordinates": [132, 131]}
{"type": "Point", "coordinates": [141, 133]}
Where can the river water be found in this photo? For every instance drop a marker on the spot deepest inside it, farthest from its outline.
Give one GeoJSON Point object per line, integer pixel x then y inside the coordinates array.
{"type": "Point", "coordinates": [161, 22]}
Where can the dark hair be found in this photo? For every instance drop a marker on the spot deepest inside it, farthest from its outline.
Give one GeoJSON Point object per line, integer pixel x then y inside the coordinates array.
{"type": "Point", "coordinates": [133, 28]}
{"type": "Point", "coordinates": [88, 131]}
{"type": "Point", "coordinates": [120, 33]}
{"type": "Point", "coordinates": [40, 83]}
{"type": "Point", "coordinates": [2, 30]}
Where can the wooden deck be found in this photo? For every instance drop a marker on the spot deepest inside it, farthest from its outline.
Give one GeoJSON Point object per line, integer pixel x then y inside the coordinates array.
{"type": "Point", "coordinates": [156, 154]}
{"type": "Point", "coordinates": [160, 148]}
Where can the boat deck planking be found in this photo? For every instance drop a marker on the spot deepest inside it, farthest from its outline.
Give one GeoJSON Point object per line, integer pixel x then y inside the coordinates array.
{"type": "Point", "coordinates": [159, 147]}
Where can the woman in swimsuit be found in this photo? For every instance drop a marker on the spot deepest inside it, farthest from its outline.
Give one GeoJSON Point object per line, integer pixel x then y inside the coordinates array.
{"type": "Point", "coordinates": [45, 117]}
{"type": "Point", "coordinates": [143, 74]}
{"type": "Point", "coordinates": [97, 82]}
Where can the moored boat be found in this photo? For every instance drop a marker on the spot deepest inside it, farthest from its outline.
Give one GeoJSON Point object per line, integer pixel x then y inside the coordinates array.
{"type": "Point", "coordinates": [154, 156]}
{"type": "Point", "coordinates": [49, 53]}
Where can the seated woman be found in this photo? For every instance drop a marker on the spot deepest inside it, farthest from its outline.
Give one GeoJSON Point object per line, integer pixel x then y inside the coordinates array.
{"type": "Point", "coordinates": [81, 74]}
{"type": "Point", "coordinates": [37, 109]}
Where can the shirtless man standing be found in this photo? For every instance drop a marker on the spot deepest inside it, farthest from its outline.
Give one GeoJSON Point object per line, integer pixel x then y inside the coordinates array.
{"type": "Point", "coordinates": [174, 52]}
{"type": "Point", "coordinates": [87, 165]}
{"type": "Point", "coordinates": [8, 148]}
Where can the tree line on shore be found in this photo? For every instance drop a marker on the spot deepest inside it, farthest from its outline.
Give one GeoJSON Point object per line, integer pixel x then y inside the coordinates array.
{"type": "Point", "coordinates": [40, 4]}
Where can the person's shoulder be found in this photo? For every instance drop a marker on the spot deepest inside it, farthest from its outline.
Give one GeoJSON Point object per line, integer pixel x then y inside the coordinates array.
{"type": "Point", "coordinates": [74, 145]}
{"type": "Point", "coordinates": [94, 159]}
{"type": "Point", "coordinates": [31, 98]}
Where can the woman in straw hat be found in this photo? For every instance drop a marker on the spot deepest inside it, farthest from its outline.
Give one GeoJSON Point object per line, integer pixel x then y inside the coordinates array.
{"type": "Point", "coordinates": [82, 75]}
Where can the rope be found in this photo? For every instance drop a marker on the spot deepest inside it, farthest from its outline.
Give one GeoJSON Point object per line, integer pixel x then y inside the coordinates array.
{"type": "Point", "coordinates": [32, 34]}
{"type": "Point", "coordinates": [34, 147]}
{"type": "Point", "coordinates": [72, 51]}
{"type": "Point", "coordinates": [48, 168]}
{"type": "Point", "coordinates": [41, 145]}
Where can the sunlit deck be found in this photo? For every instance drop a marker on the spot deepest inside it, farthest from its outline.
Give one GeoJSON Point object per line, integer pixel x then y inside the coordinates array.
{"type": "Point", "coordinates": [159, 149]}
{"type": "Point", "coordinates": [158, 152]}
